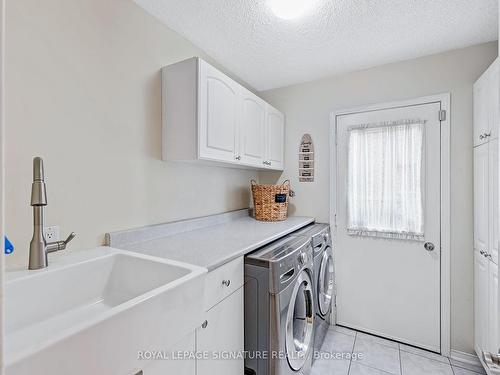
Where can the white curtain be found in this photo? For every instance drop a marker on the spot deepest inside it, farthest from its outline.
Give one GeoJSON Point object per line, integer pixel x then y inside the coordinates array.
{"type": "Point", "coordinates": [385, 179]}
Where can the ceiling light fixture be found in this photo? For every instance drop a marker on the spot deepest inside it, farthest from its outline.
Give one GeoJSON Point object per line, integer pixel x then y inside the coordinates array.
{"type": "Point", "coordinates": [290, 9]}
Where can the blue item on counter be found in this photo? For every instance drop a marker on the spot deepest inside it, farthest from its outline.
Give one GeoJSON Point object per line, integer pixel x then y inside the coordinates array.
{"type": "Point", "coordinates": [8, 247]}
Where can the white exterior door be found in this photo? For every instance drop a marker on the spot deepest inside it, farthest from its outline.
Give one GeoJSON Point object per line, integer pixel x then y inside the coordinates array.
{"type": "Point", "coordinates": [391, 286]}
{"type": "Point", "coordinates": [219, 109]}
{"type": "Point", "coordinates": [481, 197]}
{"type": "Point", "coordinates": [275, 135]}
{"type": "Point", "coordinates": [252, 129]}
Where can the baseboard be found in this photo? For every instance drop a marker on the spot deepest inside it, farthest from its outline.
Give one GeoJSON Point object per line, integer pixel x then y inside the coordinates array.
{"type": "Point", "coordinates": [465, 357]}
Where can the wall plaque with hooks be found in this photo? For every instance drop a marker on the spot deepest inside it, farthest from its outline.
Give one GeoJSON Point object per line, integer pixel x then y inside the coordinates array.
{"type": "Point", "coordinates": [306, 159]}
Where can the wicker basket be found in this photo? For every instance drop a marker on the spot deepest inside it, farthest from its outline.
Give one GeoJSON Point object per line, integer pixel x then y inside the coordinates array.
{"type": "Point", "coordinates": [270, 201]}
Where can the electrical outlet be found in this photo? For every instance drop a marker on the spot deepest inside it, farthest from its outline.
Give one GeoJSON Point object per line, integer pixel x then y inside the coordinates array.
{"type": "Point", "coordinates": [51, 233]}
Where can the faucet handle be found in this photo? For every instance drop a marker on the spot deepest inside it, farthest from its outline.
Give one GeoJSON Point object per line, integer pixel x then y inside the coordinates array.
{"type": "Point", "coordinates": [70, 237]}
{"type": "Point", "coordinates": [59, 245]}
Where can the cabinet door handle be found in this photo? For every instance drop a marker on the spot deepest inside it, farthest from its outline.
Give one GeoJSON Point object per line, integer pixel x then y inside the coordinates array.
{"type": "Point", "coordinates": [226, 282]}
{"type": "Point", "coordinates": [237, 157]}
{"type": "Point", "coordinates": [204, 324]}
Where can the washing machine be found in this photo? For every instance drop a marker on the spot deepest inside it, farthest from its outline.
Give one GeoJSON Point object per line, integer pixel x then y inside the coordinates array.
{"type": "Point", "coordinates": [279, 308]}
{"type": "Point", "coordinates": [324, 278]}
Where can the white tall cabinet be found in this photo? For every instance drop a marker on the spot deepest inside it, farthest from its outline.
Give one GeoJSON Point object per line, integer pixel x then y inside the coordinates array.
{"type": "Point", "coordinates": [208, 117]}
{"type": "Point", "coordinates": [486, 211]}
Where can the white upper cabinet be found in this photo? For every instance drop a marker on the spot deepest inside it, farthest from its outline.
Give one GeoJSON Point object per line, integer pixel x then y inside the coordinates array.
{"type": "Point", "coordinates": [493, 205]}
{"type": "Point", "coordinates": [275, 138]}
{"type": "Point", "coordinates": [481, 122]}
{"type": "Point", "coordinates": [486, 107]}
{"type": "Point", "coordinates": [252, 129]}
{"type": "Point", "coordinates": [494, 92]}
{"type": "Point", "coordinates": [218, 114]}
{"type": "Point", "coordinates": [207, 116]}
{"type": "Point", "coordinates": [481, 198]}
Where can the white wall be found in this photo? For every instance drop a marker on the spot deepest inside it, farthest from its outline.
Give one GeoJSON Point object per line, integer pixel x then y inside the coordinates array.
{"type": "Point", "coordinates": [83, 83]}
{"type": "Point", "coordinates": [308, 106]}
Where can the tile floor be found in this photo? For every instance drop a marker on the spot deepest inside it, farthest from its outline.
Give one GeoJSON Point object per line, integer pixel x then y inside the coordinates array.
{"type": "Point", "coordinates": [382, 357]}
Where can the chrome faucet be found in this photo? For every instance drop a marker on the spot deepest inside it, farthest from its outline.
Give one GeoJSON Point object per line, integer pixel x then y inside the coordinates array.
{"type": "Point", "coordinates": [39, 248]}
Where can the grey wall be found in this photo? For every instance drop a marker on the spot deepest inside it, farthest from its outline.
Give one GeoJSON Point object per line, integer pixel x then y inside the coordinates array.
{"type": "Point", "coordinates": [308, 106]}
{"type": "Point", "coordinates": [83, 83]}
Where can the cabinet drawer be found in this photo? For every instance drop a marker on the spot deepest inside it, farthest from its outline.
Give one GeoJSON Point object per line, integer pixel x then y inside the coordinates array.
{"type": "Point", "coordinates": [223, 281]}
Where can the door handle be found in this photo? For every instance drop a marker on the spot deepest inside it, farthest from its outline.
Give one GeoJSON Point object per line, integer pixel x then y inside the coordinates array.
{"type": "Point", "coordinates": [429, 246]}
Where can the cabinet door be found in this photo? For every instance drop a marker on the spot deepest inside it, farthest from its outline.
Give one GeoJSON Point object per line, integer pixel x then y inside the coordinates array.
{"type": "Point", "coordinates": [481, 198]}
{"type": "Point", "coordinates": [493, 200]}
{"type": "Point", "coordinates": [218, 114]}
{"type": "Point", "coordinates": [275, 136]}
{"type": "Point", "coordinates": [252, 129]}
{"type": "Point", "coordinates": [481, 117]}
{"type": "Point", "coordinates": [481, 305]}
{"type": "Point", "coordinates": [493, 333]}
{"type": "Point", "coordinates": [181, 364]}
{"type": "Point", "coordinates": [494, 104]}
{"type": "Point", "coordinates": [223, 334]}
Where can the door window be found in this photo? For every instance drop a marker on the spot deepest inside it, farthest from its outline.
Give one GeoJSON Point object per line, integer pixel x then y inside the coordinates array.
{"type": "Point", "coordinates": [385, 179]}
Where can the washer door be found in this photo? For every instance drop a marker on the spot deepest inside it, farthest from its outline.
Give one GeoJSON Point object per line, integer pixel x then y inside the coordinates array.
{"type": "Point", "coordinates": [299, 322]}
{"type": "Point", "coordinates": [325, 282]}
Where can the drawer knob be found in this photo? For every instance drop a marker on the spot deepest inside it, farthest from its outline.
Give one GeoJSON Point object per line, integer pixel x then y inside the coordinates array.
{"type": "Point", "coordinates": [226, 282]}
{"type": "Point", "coordinates": [204, 324]}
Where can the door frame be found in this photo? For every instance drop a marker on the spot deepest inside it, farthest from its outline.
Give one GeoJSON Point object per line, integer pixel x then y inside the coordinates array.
{"type": "Point", "coordinates": [444, 100]}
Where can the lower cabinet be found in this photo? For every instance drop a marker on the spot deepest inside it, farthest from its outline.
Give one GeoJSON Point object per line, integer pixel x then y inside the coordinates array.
{"type": "Point", "coordinates": [221, 336]}
{"type": "Point", "coordinates": [183, 364]}
{"type": "Point", "coordinates": [486, 334]}
{"type": "Point", "coordinates": [493, 334]}
{"type": "Point", "coordinates": [217, 344]}
{"type": "Point", "coordinates": [480, 301]}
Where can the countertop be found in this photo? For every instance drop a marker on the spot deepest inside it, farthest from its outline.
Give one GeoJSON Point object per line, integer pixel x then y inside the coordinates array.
{"type": "Point", "coordinates": [214, 245]}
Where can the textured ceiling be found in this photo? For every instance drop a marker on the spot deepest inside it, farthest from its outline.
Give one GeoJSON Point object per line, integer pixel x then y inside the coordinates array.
{"type": "Point", "coordinates": [337, 36]}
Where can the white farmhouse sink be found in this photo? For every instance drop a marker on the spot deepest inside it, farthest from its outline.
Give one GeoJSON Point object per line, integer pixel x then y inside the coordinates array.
{"type": "Point", "coordinates": [92, 313]}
